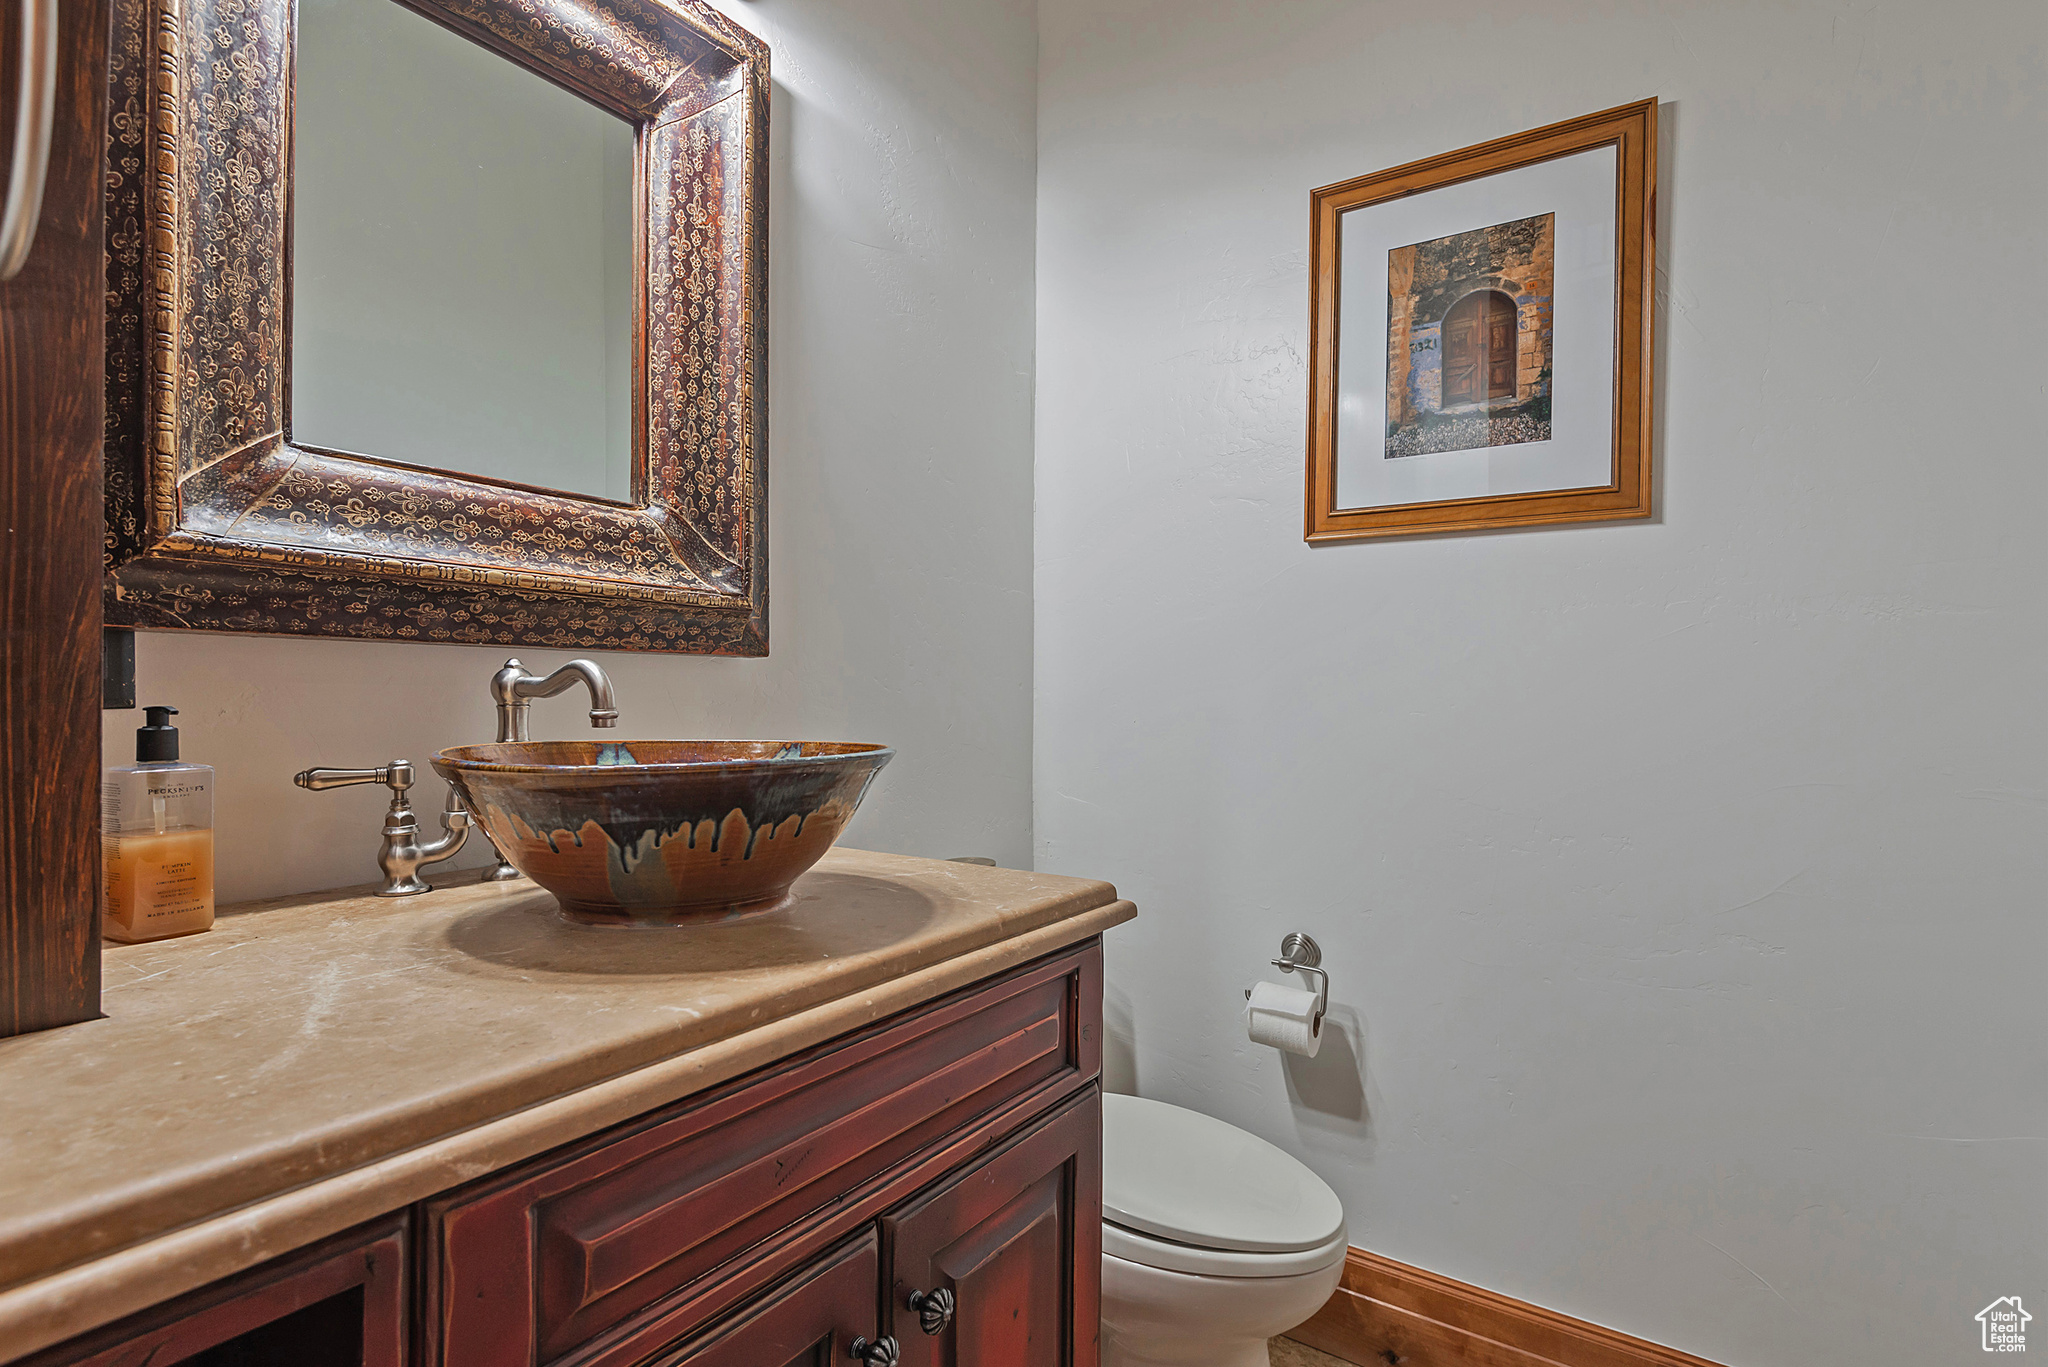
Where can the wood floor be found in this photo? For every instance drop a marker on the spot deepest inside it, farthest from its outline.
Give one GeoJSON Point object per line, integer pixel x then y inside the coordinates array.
{"type": "Point", "coordinates": [1287, 1353]}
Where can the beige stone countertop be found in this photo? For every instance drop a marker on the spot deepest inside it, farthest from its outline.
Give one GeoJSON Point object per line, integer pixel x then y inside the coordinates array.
{"type": "Point", "coordinates": [315, 1061]}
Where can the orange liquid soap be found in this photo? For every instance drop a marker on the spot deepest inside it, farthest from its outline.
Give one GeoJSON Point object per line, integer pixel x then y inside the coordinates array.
{"type": "Point", "coordinates": [158, 885]}
{"type": "Point", "coordinates": [156, 837]}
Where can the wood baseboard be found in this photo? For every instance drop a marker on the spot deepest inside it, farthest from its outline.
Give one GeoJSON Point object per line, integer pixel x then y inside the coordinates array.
{"type": "Point", "coordinates": [1388, 1314]}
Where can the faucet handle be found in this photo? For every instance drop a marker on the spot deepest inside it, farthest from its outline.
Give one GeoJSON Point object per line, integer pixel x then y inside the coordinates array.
{"type": "Point", "coordinates": [397, 776]}
{"type": "Point", "coordinates": [401, 856]}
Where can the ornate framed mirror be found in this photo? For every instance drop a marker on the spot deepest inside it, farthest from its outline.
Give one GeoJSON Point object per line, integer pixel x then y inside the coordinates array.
{"type": "Point", "coordinates": [443, 322]}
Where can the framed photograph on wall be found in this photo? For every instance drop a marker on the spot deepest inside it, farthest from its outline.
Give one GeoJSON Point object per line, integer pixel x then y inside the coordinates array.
{"type": "Point", "coordinates": [1479, 348]}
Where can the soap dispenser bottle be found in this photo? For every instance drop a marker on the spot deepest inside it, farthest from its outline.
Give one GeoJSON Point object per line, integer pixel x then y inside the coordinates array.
{"type": "Point", "coordinates": [156, 834]}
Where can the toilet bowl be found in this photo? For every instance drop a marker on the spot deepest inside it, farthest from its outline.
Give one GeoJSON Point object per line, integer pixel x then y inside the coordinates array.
{"type": "Point", "coordinates": [1213, 1240]}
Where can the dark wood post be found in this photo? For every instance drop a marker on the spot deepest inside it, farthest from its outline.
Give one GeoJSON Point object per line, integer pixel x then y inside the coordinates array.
{"type": "Point", "coordinates": [52, 363]}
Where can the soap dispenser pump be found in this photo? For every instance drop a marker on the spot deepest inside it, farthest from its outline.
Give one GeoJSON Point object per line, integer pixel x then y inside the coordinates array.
{"type": "Point", "coordinates": [156, 838]}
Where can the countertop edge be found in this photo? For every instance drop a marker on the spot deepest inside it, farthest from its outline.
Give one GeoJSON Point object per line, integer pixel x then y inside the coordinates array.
{"type": "Point", "coordinates": [87, 1295]}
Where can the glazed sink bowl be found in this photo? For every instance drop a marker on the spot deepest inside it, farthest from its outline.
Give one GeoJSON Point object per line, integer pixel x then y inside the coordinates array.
{"type": "Point", "coordinates": [663, 832]}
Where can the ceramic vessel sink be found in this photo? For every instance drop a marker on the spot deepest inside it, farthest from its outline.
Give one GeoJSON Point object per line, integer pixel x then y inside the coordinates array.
{"type": "Point", "coordinates": [663, 832]}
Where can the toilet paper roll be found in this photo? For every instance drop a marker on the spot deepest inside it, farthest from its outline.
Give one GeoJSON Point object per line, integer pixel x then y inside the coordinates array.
{"type": "Point", "coordinates": [1284, 1018]}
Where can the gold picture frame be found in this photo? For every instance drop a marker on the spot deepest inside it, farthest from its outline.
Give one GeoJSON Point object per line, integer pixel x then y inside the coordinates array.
{"type": "Point", "coordinates": [1445, 416]}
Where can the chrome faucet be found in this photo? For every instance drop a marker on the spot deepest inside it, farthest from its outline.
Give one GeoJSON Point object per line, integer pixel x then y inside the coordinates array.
{"type": "Point", "coordinates": [514, 690]}
{"type": "Point", "coordinates": [401, 856]}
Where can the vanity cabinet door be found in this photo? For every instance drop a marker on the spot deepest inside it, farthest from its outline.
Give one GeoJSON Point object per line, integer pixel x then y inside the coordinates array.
{"type": "Point", "coordinates": [1016, 1241]}
{"type": "Point", "coordinates": [341, 1303]}
{"type": "Point", "coordinates": [810, 1320]}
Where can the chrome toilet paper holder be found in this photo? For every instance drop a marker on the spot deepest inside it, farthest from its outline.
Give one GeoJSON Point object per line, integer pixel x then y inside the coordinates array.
{"type": "Point", "coordinates": [1300, 953]}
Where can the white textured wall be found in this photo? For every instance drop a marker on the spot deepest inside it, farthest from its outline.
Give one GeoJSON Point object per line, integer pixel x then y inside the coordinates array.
{"type": "Point", "coordinates": [900, 488]}
{"type": "Point", "coordinates": [1681, 881]}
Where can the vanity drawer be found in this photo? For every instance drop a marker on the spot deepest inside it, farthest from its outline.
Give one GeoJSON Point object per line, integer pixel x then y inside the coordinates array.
{"type": "Point", "coordinates": [528, 1266]}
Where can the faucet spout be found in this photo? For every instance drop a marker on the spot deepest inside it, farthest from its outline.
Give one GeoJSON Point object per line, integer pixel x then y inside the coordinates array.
{"type": "Point", "coordinates": [514, 690]}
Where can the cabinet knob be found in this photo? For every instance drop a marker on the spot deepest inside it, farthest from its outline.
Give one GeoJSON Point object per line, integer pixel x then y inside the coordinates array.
{"type": "Point", "coordinates": [883, 1352]}
{"type": "Point", "coordinates": [934, 1309]}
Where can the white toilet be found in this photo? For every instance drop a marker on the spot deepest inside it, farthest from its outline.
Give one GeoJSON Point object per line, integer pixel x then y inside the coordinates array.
{"type": "Point", "coordinates": [1213, 1240]}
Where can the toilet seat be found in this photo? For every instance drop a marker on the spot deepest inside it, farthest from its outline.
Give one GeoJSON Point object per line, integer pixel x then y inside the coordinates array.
{"type": "Point", "coordinates": [1168, 1256]}
{"type": "Point", "coordinates": [1185, 1192]}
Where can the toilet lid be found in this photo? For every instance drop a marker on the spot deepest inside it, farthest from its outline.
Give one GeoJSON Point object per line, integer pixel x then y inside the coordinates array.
{"type": "Point", "coordinates": [1181, 1175]}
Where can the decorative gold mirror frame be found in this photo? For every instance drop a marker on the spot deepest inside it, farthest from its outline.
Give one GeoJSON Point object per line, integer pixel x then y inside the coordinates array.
{"type": "Point", "coordinates": [216, 521]}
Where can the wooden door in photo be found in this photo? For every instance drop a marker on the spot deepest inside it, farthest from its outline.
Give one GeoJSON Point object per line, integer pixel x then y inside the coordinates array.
{"type": "Point", "coordinates": [1479, 349]}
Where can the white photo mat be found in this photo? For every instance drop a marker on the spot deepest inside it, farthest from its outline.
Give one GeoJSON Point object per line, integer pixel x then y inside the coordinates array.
{"type": "Point", "coordinates": [1580, 190]}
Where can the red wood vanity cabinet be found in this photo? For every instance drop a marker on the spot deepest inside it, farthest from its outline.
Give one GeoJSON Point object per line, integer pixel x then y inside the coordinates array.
{"type": "Point", "coordinates": [928, 1187]}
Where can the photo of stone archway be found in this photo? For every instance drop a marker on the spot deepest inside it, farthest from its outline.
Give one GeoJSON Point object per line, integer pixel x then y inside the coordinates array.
{"type": "Point", "coordinates": [1468, 339]}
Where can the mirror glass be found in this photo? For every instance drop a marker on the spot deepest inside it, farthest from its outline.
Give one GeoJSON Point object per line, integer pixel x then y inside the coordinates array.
{"type": "Point", "coordinates": [462, 257]}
